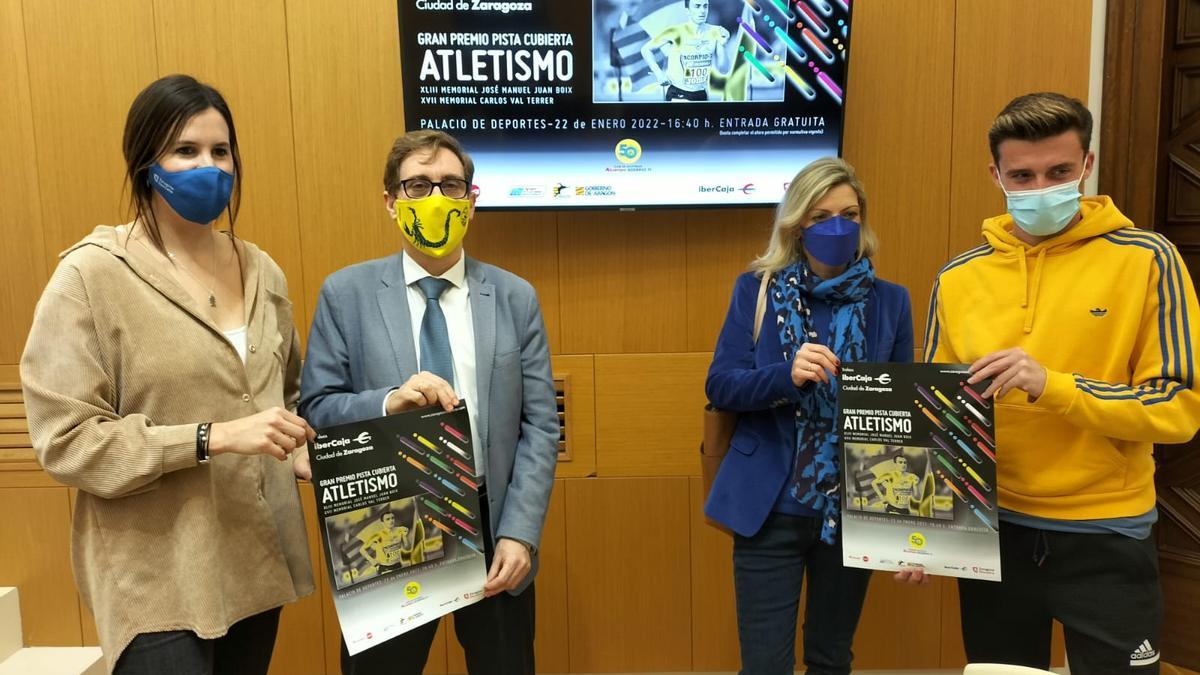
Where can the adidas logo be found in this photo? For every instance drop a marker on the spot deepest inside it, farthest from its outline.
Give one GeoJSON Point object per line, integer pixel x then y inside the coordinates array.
{"type": "Point", "coordinates": [1098, 312]}
{"type": "Point", "coordinates": [1144, 655]}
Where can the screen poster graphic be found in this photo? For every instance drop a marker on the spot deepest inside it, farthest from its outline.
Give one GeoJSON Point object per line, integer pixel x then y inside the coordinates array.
{"type": "Point", "coordinates": [398, 510]}
{"type": "Point", "coordinates": [626, 103]}
{"type": "Point", "coordinates": [918, 457]}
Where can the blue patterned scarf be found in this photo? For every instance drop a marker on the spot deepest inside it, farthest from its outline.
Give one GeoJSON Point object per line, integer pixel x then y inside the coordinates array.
{"type": "Point", "coordinates": [815, 480]}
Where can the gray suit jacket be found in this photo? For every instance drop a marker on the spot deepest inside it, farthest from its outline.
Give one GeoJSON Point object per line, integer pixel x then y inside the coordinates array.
{"type": "Point", "coordinates": [361, 347]}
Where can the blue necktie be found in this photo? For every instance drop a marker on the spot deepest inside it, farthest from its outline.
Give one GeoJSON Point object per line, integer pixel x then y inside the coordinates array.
{"type": "Point", "coordinates": [436, 356]}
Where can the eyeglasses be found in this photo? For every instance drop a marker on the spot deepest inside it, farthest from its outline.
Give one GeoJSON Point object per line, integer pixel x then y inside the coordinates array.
{"type": "Point", "coordinates": [420, 188]}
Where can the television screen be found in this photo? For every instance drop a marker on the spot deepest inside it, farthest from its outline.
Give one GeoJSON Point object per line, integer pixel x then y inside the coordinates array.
{"type": "Point", "coordinates": [629, 103]}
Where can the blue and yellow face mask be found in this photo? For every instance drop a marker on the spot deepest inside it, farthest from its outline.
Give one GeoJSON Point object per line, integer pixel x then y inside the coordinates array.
{"type": "Point", "coordinates": [434, 225]}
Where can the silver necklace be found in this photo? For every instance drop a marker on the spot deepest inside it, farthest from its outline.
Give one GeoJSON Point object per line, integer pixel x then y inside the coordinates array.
{"type": "Point", "coordinates": [212, 296]}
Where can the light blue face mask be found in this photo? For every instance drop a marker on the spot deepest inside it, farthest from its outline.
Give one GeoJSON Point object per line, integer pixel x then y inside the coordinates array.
{"type": "Point", "coordinates": [1045, 212]}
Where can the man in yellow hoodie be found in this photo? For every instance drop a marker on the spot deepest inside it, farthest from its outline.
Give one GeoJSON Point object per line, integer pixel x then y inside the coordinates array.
{"type": "Point", "coordinates": [1086, 325]}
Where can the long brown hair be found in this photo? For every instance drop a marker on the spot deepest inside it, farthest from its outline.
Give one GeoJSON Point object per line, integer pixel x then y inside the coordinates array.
{"type": "Point", "coordinates": [156, 118]}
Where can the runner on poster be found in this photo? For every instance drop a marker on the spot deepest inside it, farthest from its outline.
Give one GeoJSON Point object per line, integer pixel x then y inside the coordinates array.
{"type": "Point", "coordinates": [919, 470]}
{"type": "Point", "coordinates": [398, 511]}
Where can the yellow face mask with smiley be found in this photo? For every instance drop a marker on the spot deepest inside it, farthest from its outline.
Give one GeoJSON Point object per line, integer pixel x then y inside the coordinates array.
{"type": "Point", "coordinates": [434, 225]}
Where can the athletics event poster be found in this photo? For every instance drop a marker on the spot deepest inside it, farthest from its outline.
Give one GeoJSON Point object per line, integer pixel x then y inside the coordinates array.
{"type": "Point", "coordinates": [608, 103]}
{"type": "Point", "coordinates": [398, 511]}
{"type": "Point", "coordinates": [919, 470]}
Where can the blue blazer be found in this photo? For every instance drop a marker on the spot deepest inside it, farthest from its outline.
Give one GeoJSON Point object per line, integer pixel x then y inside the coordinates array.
{"type": "Point", "coordinates": [361, 347]}
{"type": "Point", "coordinates": [756, 381]}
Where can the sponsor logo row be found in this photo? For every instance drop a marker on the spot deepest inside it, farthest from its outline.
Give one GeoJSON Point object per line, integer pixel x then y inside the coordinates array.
{"type": "Point", "coordinates": [563, 191]}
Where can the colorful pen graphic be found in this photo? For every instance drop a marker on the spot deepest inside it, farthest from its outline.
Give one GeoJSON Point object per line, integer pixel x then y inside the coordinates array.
{"type": "Point", "coordinates": [810, 17]}
{"type": "Point", "coordinates": [971, 392]}
{"type": "Point", "coordinates": [412, 446]}
{"type": "Point", "coordinates": [467, 528]}
{"type": "Point", "coordinates": [425, 442]}
{"type": "Point", "coordinates": [783, 9]}
{"type": "Point", "coordinates": [815, 42]}
{"type": "Point", "coordinates": [953, 489]}
{"type": "Point", "coordinates": [932, 418]}
{"type": "Point", "coordinates": [465, 468]}
{"type": "Point", "coordinates": [957, 425]}
{"type": "Point", "coordinates": [825, 7]}
{"type": "Point", "coordinates": [459, 451]}
{"type": "Point", "coordinates": [419, 466]}
{"type": "Point", "coordinates": [978, 415]}
{"type": "Point", "coordinates": [983, 434]}
{"type": "Point", "coordinates": [440, 464]}
{"type": "Point", "coordinates": [928, 397]}
{"type": "Point", "coordinates": [454, 432]}
{"type": "Point", "coordinates": [943, 399]}
{"type": "Point", "coordinates": [966, 448]}
{"type": "Point", "coordinates": [453, 488]}
{"type": "Point", "coordinates": [983, 447]}
{"type": "Point", "coordinates": [803, 87]}
{"type": "Point", "coordinates": [434, 506]}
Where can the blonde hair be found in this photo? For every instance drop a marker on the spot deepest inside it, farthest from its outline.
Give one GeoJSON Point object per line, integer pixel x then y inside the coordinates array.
{"type": "Point", "coordinates": [806, 189]}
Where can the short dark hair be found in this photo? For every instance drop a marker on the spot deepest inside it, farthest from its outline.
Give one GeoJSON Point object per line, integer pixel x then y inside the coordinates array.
{"type": "Point", "coordinates": [416, 141]}
{"type": "Point", "coordinates": [156, 118]}
{"type": "Point", "coordinates": [1034, 117]}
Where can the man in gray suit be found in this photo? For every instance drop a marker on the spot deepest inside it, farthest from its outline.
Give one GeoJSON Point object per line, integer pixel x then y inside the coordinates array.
{"type": "Point", "coordinates": [430, 326]}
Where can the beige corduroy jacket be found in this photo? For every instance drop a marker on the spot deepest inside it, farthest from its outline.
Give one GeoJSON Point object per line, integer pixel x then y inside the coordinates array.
{"type": "Point", "coordinates": [120, 367]}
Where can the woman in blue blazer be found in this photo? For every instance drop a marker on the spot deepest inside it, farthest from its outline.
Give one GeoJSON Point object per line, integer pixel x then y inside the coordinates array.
{"type": "Point", "coordinates": [778, 487]}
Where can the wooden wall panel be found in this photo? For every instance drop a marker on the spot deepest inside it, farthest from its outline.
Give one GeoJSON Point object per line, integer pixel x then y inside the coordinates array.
{"type": "Point", "coordinates": [299, 649]}
{"type": "Point", "coordinates": [36, 531]}
{"type": "Point", "coordinates": [898, 136]}
{"type": "Point", "coordinates": [721, 243]}
{"type": "Point", "coordinates": [1005, 42]}
{"type": "Point", "coordinates": [630, 593]}
{"type": "Point", "coordinates": [525, 244]}
{"type": "Point", "coordinates": [714, 611]}
{"type": "Point", "coordinates": [581, 414]}
{"type": "Point", "coordinates": [346, 111]}
{"type": "Point", "coordinates": [550, 591]}
{"type": "Point", "coordinates": [216, 42]}
{"type": "Point", "coordinates": [649, 413]}
{"type": "Point", "coordinates": [624, 282]}
{"type": "Point", "coordinates": [87, 61]}
{"type": "Point", "coordinates": [21, 221]}
{"type": "Point", "coordinates": [551, 646]}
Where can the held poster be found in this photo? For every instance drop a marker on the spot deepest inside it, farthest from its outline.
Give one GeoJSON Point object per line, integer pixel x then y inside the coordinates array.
{"type": "Point", "coordinates": [603, 103]}
{"type": "Point", "coordinates": [919, 470]}
{"type": "Point", "coordinates": [398, 511]}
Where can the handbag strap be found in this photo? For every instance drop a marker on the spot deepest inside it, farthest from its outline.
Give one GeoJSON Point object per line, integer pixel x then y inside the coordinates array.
{"type": "Point", "coordinates": [760, 309]}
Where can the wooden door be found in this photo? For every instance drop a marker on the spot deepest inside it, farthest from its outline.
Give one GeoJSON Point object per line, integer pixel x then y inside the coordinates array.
{"type": "Point", "coordinates": [1150, 163]}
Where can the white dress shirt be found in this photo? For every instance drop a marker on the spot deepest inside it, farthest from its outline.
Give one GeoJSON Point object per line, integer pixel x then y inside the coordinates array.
{"type": "Point", "coordinates": [456, 305]}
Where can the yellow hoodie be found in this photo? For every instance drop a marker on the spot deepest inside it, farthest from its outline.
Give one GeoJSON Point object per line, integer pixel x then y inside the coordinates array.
{"type": "Point", "coordinates": [1110, 312]}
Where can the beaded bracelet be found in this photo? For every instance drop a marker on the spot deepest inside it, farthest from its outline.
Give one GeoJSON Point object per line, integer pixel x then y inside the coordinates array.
{"type": "Point", "coordinates": [202, 434]}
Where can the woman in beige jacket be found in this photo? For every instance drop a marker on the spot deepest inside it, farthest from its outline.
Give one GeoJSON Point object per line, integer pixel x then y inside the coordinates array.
{"type": "Point", "coordinates": [159, 374]}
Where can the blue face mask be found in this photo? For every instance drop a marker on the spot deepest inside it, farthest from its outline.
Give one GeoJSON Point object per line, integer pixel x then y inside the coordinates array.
{"type": "Point", "coordinates": [833, 241]}
{"type": "Point", "coordinates": [1045, 212]}
{"type": "Point", "coordinates": [198, 195]}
